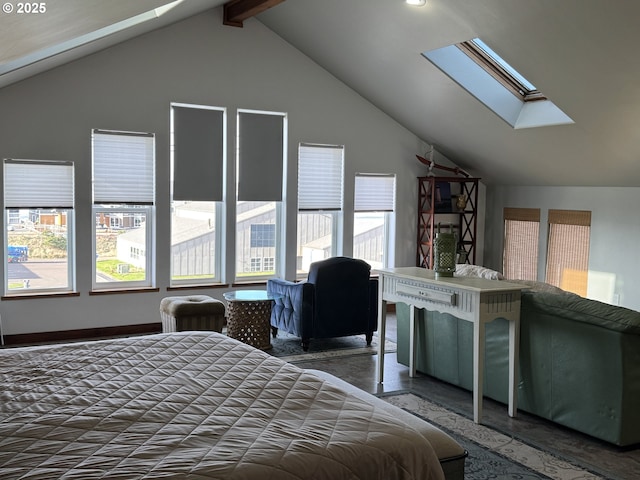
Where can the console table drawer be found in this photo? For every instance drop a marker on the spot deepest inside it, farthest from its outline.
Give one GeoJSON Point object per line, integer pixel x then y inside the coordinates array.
{"type": "Point", "coordinates": [423, 292]}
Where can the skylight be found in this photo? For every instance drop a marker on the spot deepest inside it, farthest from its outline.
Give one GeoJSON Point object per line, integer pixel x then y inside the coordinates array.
{"type": "Point", "coordinates": [498, 68]}
{"type": "Point", "coordinates": [490, 79]}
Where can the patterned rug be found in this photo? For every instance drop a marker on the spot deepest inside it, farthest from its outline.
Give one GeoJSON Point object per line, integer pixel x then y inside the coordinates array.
{"type": "Point", "coordinates": [288, 347]}
{"type": "Point", "coordinates": [492, 454]}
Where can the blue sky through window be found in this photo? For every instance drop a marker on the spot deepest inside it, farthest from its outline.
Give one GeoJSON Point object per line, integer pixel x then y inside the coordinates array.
{"type": "Point", "coordinates": [500, 61]}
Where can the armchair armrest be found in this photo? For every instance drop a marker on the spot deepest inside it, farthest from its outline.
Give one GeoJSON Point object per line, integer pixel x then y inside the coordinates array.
{"type": "Point", "coordinates": [293, 311]}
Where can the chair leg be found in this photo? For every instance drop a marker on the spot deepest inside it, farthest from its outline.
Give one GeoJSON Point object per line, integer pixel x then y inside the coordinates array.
{"type": "Point", "coordinates": [305, 344]}
{"type": "Point", "coordinates": [369, 337]}
{"type": "Point", "coordinates": [274, 331]}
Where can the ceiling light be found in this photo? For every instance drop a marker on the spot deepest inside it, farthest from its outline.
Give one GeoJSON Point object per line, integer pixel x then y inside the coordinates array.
{"type": "Point", "coordinates": [417, 2]}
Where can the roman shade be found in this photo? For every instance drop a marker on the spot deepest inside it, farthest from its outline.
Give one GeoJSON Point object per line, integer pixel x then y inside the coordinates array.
{"type": "Point", "coordinates": [568, 250]}
{"type": "Point", "coordinates": [320, 177]}
{"type": "Point", "coordinates": [374, 193]}
{"type": "Point", "coordinates": [521, 239]}
{"type": "Point", "coordinates": [260, 156]}
{"type": "Point", "coordinates": [198, 155]}
{"type": "Point", "coordinates": [123, 168]}
{"type": "Point", "coordinates": [38, 184]}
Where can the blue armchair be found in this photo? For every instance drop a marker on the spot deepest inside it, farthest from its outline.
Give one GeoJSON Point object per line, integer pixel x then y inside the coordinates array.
{"type": "Point", "coordinates": [338, 299]}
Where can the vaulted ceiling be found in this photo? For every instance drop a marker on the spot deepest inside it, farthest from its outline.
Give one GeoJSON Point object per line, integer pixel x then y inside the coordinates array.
{"type": "Point", "coordinates": [580, 53]}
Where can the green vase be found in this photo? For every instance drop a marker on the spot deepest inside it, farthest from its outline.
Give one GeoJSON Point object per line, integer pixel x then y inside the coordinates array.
{"type": "Point", "coordinates": [444, 263]}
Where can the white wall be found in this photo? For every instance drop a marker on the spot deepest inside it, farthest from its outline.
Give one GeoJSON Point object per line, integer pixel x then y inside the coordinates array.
{"type": "Point", "coordinates": [615, 230]}
{"type": "Point", "coordinates": [200, 61]}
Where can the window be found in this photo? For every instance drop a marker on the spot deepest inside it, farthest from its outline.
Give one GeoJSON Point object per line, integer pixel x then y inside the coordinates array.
{"type": "Point", "coordinates": [521, 237]}
{"type": "Point", "coordinates": [260, 168]}
{"type": "Point", "coordinates": [568, 250]}
{"type": "Point", "coordinates": [269, 263]}
{"type": "Point", "coordinates": [39, 221]}
{"type": "Point", "coordinates": [256, 265]}
{"type": "Point", "coordinates": [263, 235]}
{"type": "Point", "coordinates": [320, 196]}
{"type": "Point", "coordinates": [123, 209]}
{"type": "Point", "coordinates": [195, 239]}
{"type": "Point", "coordinates": [198, 150]}
{"type": "Point", "coordinates": [373, 209]}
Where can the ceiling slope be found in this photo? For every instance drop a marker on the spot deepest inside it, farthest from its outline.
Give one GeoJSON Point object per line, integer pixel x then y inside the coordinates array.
{"type": "Point", "coordinates": [579, 53]}
{"type": "Point", "coordinates": [70, 29]}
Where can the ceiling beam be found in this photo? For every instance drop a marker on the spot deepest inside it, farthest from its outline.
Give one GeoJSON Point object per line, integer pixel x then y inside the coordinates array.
{"type": "Point", "coordinates": [237, 11]}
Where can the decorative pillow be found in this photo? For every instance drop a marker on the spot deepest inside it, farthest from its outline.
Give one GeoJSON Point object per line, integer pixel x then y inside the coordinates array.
{"type": "Point", "coordinates": [466, 270]}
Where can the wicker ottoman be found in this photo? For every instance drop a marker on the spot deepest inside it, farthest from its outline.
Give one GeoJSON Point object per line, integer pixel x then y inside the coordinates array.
{"type": "Point", "coordinates": [191, 312]}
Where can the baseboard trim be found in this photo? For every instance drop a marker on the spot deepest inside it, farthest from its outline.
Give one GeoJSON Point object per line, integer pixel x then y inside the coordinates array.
{"type": "Point", "coordinates": [82, 334]}
{"type": "Point", "coordinates": [94, 333]}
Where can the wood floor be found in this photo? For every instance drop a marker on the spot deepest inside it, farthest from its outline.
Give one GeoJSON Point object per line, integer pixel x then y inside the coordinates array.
{"type": "Point", "coordinates": [599, 457]}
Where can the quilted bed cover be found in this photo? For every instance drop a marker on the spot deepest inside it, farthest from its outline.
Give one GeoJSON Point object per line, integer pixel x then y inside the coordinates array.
{"type": "Point", "coordinates": [190, 405]}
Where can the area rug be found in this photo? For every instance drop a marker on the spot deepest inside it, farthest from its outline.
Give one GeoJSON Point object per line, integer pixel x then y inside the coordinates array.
{"type": "Point", "coordinates": [492, 454]}
{"type": "Point", "coordinates": [288, 348]}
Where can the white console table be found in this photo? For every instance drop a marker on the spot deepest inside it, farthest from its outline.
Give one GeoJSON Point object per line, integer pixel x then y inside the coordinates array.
{"type": "Point", "coordinates": [476, 300]}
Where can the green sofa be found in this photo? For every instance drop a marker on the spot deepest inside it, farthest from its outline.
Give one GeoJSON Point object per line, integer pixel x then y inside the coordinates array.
{"type": "Point", "coordinates": [579, 360]}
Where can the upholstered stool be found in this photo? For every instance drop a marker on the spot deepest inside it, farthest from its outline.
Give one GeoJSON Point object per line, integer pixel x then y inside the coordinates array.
{"type": "Point", "coordinates": [191, 312]}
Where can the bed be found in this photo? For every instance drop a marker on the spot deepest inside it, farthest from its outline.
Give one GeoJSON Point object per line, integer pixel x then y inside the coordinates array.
{"type": "Point", "coordinates": [191, 405]}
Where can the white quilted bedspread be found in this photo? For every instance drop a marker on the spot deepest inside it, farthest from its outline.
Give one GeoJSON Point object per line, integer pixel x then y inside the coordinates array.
{"type": "Point", "coordinates": [190, 406]}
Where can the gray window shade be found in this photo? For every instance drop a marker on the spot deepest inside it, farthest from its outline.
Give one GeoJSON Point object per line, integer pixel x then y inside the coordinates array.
{"type": "Point", "coordinates": [374, 193]}
{"type": "Point", "coordinates": [198, 154]}
{"type": "Point", "coordinates": [260, 150]}
{"type": "Point", "coordinates": [123, 168]}
{"type": "Point", "coordinates": [320, 175]}
{"type": "Point", "coordinates": [38, 184]}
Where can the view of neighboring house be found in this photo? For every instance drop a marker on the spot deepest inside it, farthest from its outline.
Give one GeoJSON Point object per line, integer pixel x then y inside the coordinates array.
{"type": "Point", "coordinates": [193, 238]}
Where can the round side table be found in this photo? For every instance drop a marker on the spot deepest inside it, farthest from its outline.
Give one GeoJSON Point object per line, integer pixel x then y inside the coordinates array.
{"type": "Point", "coordinates": [249, 316]}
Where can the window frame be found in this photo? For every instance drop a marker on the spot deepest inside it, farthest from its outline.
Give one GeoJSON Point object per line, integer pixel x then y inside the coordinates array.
{"type": "Point", "coordinates": [217, 197]}
{"type": "Point", "coordinates": [216, 277]}
{"type": "Point", "coordinates": [500, 70]}
{"type": "Point", "coordinates": [148, 212]}
{"type": "Point", "coordinates": [384, 202]}
{"type": "Point", "coordinates": [143, 205]}
{"type": "Point", "coordinates": [66, 205]}
{"type": "Point", "coordinates": [325, 202]}
{"type": "Point", "coordinates": [247, 190]}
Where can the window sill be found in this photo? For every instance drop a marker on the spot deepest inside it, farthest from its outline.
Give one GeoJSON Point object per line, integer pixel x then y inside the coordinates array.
{"type": "Point", "coordinates": [197, 287]}
{"type": "Point", "coordinates": [32, 296]}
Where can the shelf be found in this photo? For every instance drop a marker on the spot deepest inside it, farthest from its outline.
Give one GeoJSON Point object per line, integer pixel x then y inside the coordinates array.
{"type": "Point", "coordinates": [464, 223]}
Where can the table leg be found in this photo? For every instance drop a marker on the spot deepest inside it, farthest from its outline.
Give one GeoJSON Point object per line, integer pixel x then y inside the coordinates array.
{"type": "Point", "coordinates": [382, 329]}
{"type": "Point", "coordinates": [412, 341]}
{"type": "Point", "coordinates": [478, 368]}
{"type": "Point", "coordinates": [514, 336]}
